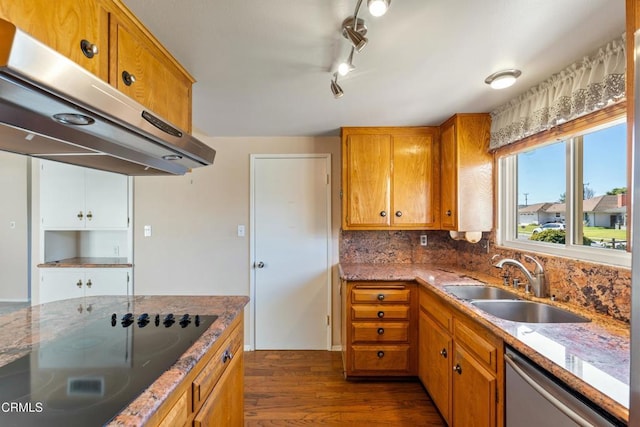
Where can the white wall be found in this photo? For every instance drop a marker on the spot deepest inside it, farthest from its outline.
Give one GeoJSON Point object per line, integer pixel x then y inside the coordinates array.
{"type": "Point", "coordinates": [14, 247]}
{"type": "Point", "coordinates": [194, 248]}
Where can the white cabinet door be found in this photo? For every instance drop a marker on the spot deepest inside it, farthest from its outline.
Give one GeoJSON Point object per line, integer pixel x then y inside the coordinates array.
{"type": "Point", "coordinates": [65, 283]}
{"type": "Point", "coordinates": [73, 197]}
{"type": "Point", "coordinates": [106, 199]}
{"type": "Point", "coordinates": [61, 195]}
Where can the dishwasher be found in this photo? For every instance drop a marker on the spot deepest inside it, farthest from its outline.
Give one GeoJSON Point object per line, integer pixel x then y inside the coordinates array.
{"type": "Point", "coordinates": [534, 398]}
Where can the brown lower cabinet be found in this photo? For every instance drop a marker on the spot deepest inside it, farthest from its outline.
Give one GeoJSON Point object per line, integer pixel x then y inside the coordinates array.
{"type": "Point", "coordinates": [379, 329]}
{"type": "Point", "coordinates": [461, 364]}
{"type": "Point", "coordinates": [212, 394]}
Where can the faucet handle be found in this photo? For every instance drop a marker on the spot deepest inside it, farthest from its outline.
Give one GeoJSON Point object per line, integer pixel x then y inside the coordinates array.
{"type": "Point", "coordinates": [539, 268]}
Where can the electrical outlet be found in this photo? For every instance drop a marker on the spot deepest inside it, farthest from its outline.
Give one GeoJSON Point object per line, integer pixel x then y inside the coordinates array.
{"type": "Point", "coordinates": [423, 240]}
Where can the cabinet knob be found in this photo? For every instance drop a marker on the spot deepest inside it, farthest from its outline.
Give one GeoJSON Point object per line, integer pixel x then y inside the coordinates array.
{"type": "Point", "coordinates": [88, 49]}
{"type": "Point", "coordinates": [443, 353]}
{"type": "Point", "coordinates": [127, 78]}
{"type": "Point", "coordinates": [380, 354]}
{"type": "Point", "coordinates": [260, 264]}
{"type": "Point", "coordinates": [448, 213]}
{"type": "Point", "coordinates": [226, 356]}
{"type": "Point", "coordinates": [380, 297]}
{"type": "Point", "coordinates": [380, 331]}
{"type": "Point", "coordinates": [383, 213]}
{"type": "Point", "coordinates": [398, 214]}
{"type": "Point", "coordinates": [381, 314]}
{"type": "Point", "coordinates": [80, 215]}
{"type": "Point", "coordinates": [89, 283]}
{"type": "Point", "coordinates": [89, 215]}
{"type": "Point", "coordinates": [458, 369]}
{"type": "Point", "coordinates": [79, 284]}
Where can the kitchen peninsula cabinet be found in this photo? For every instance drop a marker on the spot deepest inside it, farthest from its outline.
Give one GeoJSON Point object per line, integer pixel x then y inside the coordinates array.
{"type": "Point", "coordinates": [73, 197]}
{"type": "Point", "coordinates": [460, 365]}
{"type": "Point", "coordinates": [379, 329]}
{"type": "Point", "coordinates": [105, 38]}
{"type": "Point", "coordinates": [466, 192]}
{"type": "Point", "coordinates": [58, 283]}
{"type": "Point", "coordinates": [390, 178]}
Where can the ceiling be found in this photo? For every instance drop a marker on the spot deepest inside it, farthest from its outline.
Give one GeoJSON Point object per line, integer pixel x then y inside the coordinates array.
{"type": "Point", "coordinates": [263, 68]}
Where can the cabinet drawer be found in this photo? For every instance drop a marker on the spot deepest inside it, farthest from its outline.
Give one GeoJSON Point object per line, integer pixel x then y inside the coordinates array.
{"type": "Point", "coordinates": [208, 377]}
{"type": "Point", "coordinates": [381, 358]}
{"type": "Point", "coordinates": [484, 351]}
{"type": "Point", "coordinates": [398, 294]}
{"type": "Point", "coordinates": [380, 312]}
{"type": "Point", "coordinates": [379, 332]}
{"type": "Point", "coordinates": [436, 309]}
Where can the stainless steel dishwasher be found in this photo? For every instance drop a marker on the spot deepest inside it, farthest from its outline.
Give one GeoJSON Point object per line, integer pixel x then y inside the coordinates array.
{"type": "Point", "coordinates": [534, 399]}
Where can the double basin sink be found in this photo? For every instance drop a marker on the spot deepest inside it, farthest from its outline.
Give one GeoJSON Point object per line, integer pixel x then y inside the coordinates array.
{"type": "Point", "coordinates": [507, 305]}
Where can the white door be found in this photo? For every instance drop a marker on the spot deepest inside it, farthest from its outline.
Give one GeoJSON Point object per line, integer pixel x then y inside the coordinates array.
{"type": "Point", "coordinates": [290, 248]}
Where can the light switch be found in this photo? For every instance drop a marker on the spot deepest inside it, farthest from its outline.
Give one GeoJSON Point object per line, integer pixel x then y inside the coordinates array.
{"type": "Point", "coordinates": [240, 230]}
{"type": "Point", "coordinates": [147, 231]}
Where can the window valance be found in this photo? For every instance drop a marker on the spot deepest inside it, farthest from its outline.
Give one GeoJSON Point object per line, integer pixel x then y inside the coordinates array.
{"type": "Point", "coordinates": [587, 85]}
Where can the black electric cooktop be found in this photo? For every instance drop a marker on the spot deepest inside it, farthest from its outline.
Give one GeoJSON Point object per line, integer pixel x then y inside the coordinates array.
{"type": "Point", "coordinates": [86, 377]}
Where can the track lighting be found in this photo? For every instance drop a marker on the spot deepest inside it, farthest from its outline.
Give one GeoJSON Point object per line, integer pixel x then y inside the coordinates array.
{"type": "Point", "coordinates": [378, 7]}
{"type": "Point", "coordinates": [355, 30]}
{"type": "Point", "coordinates": [335, 88]}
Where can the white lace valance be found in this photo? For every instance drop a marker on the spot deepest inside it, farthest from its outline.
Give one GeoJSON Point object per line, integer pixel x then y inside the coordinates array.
{"type": "Point", "coordinates": [585, 86]}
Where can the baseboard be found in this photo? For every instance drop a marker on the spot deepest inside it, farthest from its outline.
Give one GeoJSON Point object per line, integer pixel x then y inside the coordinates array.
{"type": "Point", "coordinates": [336, 348]}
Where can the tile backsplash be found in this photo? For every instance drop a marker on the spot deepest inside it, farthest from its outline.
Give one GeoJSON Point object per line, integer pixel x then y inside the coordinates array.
{"type": "Point", "coordinates": [601, 288]}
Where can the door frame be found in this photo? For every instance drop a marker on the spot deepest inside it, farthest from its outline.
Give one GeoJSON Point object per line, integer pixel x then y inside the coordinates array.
{"type": "Point", "coordinates": [252, 280]}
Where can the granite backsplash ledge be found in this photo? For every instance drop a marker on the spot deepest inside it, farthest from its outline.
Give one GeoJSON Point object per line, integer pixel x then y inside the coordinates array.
{"type": "Point", "coordinates": [601, 288]}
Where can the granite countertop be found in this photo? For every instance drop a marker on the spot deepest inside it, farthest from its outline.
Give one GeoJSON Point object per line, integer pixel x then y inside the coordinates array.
{"type": "Point", "coordinates": [88, 262]}
{"type": "Point", "coordinates": [27, 327]}
{"type": "Point", "coordinates": [592, 358]}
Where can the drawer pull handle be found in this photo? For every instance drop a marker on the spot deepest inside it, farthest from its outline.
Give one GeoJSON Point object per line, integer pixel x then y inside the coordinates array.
{"type": "Point", "coordinates": [458, 369]}
{"type": "Point", "coordinates": [89, 283]}
{"type": "Point", "coordinates": [380, 331]}
{"type": "Point", "coordinates": [381, 314]}
{"type": "Point", "coordinates": [443, 353]}
{"type": "Point", "coordinates": [380, 354]}
{"type": "Point", "coordinates": [227, 355]}
{"type": "Point", "coordinates": [449, 213]}
{"type": "Point", "coordinates": [380, 297]}
{"type": "Point", "coordinates": [79, 284]}
{"type": "Point", "coordinates": [80, 215]}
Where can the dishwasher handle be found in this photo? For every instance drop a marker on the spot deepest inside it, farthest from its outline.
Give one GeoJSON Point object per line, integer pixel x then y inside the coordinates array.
{"type": "Point", "coordinates": [510, 359]}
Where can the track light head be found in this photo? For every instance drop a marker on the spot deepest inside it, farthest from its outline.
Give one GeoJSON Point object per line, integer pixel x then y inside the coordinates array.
{"type": "Point", "coordinates": [336, 90]}
{"type": "Point", "coordinates": [347, 66]}
{"type": "Point", "coordinates": [354, 30]}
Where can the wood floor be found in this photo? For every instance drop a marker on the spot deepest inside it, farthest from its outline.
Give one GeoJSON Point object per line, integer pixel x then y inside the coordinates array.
{"type": "Point", "coordinates": [306, 388]}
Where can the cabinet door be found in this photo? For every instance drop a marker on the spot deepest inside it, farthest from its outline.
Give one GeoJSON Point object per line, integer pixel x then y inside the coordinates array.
{"type": "Point", "coordinates": [158, 85]}
{"type": "Point", "coordinates": [449, 179]}
{"type": "Point", "coordinates": [106, 199]}
{"type": "Point", "coordinates": [61, 195]}
{"type": "Point", "coordinates": [224, 407]}
{"type": "Point", "coordinates": [62, 25]}
{"type": "Point", "coordinates": [106, 281]}
{"type": "Point", "coordinates": [367, 159]}
{"type": "Point", "coordinates": [415, 181]}
{"type": "Point", "coordinates": [60, 284]}
{"type": "Point", "coordinates": [474, 392]}
{"type": "Point", "coordinates": [434, 366]}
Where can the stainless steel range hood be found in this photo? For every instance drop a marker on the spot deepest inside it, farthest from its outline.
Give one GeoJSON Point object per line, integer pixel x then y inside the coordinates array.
{"type": "Point", "coordinates": [52, 108]}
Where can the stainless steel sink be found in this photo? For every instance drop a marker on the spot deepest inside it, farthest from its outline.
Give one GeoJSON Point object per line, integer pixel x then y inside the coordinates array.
{"type": "Point", "coordinates": [471, 292]}
{"type": "Point", "coordinates": [528, 311]}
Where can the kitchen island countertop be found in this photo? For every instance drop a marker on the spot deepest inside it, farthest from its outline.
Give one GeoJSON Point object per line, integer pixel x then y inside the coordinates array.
{"type": "Point", "coordinates": [28, 327]}
{"type": "Point", "coordinates": [593, 358]}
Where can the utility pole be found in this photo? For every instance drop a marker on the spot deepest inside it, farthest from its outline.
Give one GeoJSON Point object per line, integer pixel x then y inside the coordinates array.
{"type": "Point", "coordinates": [526, 200]}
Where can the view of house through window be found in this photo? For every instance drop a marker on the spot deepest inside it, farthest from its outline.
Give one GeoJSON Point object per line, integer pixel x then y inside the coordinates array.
{"type": "Point", "coordinates": [599, 202]}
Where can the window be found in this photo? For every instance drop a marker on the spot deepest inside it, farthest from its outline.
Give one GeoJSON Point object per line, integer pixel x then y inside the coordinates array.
{"type": "Point", "coordinates": [568, 197]}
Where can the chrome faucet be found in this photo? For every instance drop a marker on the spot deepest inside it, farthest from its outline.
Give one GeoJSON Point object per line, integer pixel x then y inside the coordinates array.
{"type": "Point", "coordinates": [536, 281]}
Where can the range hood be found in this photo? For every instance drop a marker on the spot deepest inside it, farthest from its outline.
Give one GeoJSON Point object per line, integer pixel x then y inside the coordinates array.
{"type": "Point", "coordinates": [52, 108]}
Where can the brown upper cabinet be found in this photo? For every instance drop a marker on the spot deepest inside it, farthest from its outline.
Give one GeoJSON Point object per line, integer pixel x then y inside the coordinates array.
{"type": "Point", "coordinates": [466, 190]}
{"type": "Point", "coordinates": [390, 178]}
{"type": "Point", "coordinates": [105, 38]}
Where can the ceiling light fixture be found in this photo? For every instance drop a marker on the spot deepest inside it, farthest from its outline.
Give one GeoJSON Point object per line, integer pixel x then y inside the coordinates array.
{"type": "Point", "coordinates": [354, 30]}
{"type": "Point", "coordinates": [378, 7]}
{"type": "Point", "coordinates": [335, 88]}
{"type": "Point", "coordinates": [503, 79]}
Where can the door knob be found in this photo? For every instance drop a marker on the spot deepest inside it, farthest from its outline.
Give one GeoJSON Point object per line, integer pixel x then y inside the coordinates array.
{"type": "Point", "coordinates": [260, 264]}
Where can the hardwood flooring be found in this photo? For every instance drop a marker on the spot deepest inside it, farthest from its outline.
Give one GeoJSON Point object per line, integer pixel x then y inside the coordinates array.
{"type": "Point", "coordinates": [306, 388]}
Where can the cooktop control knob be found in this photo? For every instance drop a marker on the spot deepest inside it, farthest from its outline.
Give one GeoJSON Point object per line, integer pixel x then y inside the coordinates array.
{"type": "Point", "coordinates": [169, 320]}
{"type": "Point", "coordinates": [127, 320]}
{"type": "Point", "coordinates": [143, 319]}
{"type": "Point", "coordinates": [185, 320]}
{"type": "Point", "coordinates": [197, 321]}
{"type": "Point", "coordinates": [114, 319]}
{"type": "Point", "coordinates": [157, 321]}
